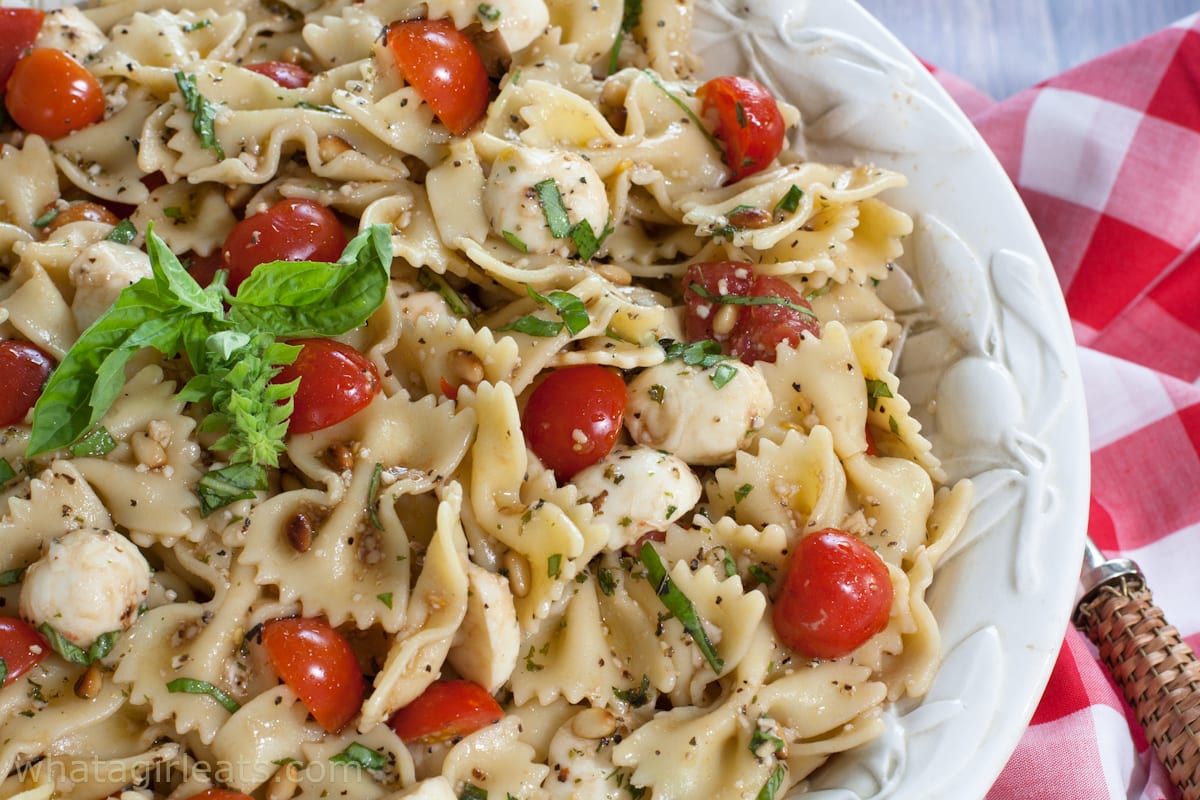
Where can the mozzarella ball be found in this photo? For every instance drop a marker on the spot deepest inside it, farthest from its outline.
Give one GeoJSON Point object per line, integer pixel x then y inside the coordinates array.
{"type": "Point", "coordinates": [514, 208]}
{"type": "Point", "coordinates": [86, 584]}
{"type": "Point", "coordinates": [677, 408]}
{"type": "Point", "coordinates": [636, 490]}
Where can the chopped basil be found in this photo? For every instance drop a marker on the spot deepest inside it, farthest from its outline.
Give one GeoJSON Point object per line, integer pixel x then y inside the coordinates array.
{"type": "Point", "coordinates": [195, 26]}
{"type": "Point", "coordinates": [360, 755]}
{"type": "Point", "coordinates": [741, 492]}
{"type": "Point", "coordinates": [554, 565]}
{"type": "Point", "coordinates": [193, 686]}
{"type": "Point", "coordinates": [46, 219]}
{"type": "Point", "coordinates": [875, 390]}
{"type": "Point", "coordinates": [533, 326]}
{"type": "Point", "coordinates": [7, 473]}
{"type": "Point", "coordinates": [220, 487]}
{"type": "Point", "coordinates": [73, 652]}
{"type": "Point", "coordinates": [636, 696]}
{"type": "Point", "coordinates": [318, 107]}
{"type": "Point", "coordinates": [3, 671]}
{"type": "Point", "coordinates": [739, 111]}
{"type": "Point", "coordinates": [11, 577]}
{"type": "Point", "coordinates": [488, 12]}
{"type": "Point", "coordinates": [204, 114]}
{"type": "Point", "coordinates": [893, 426]}
{"type": "Point", "coordinates": [585, 239]}
{"type": "Point", "coordinates": [729, 564]}
{"type": "Point", "coordinates": [571, 311]}
{"type": "Point", "coordinates": [385, 598]}
{"type": "Point", "coordinates": [515, 241]}
{"type": "Point", "coordinates": [761, 737]}
{"type": "Point", "coordinates": [749, 300]}
{"type": "Point", "coordinates": [703, 354]}
{"type": "Point", "coordinates": [472, 792]}
{"type": "Point", "coordinates": [790, 201]}
{"type": "Point", "coordinates": [760, 574]}
{"type": "Point", "coordinates": [552, 208]}
{"type": "Point", "coordinates": [679, 605]}
{"type": "Point", "coordinates": [530, 664]}
{"type": "Point", "coordinates": [123, 233]}
{"type": "Point", "coordinates": [606, 581]}
{"type": "Point", "coordinates": [173, 212]}
{"type": "Point", "coordinates": [658, 393]}
{"type": "Point", "coordinates": [97, 443]}
{"type": "Point", "coordinates": [372, 498]}
{"type": "Point", "coordinates": [629, 20]}
{"type": "Point", "coordinates": [723, 374]}
{"type": "Point", "coordinates": [712, 139]}
{"type": "Point", "coordinates": [767, 792]}
{"type": "Point", "coordinates": [431, 281]}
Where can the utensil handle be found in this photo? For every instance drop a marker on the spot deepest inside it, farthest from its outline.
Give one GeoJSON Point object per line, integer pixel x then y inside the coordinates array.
{"type": "Point", "coordinates": [1156, 670]}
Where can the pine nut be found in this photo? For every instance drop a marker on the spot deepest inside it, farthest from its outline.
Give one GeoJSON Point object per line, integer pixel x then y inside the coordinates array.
{"type": "Point", "coordinates": [724, 320]}
{"type": "Point", "coordinates": [518, 573]}
{"type": "Point", "coordinates": [148, 452]}
{"type": "Point", "coordinates": [594, 723]}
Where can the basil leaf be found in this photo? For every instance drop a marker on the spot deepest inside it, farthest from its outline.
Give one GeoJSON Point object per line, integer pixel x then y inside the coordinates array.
{"type": "Point", "coordinates": [45, 219]}
{"type": "Point", "coordinates": [317, 107]}
{"type": "Point", "coordinates": [7, 473]}
{"type": "Point", "coordinates": [373, 504]}
{"type": "Point", "coordinates": [531, 325]}
{"type": "Point", "coordinates": [11, 577]}
{"type": "Point", "coordinates": [385, 598]}
{"type": "Point", "coordinates": [790, 200]}
{"type": "Point", "coordinates": [472, 792]}
{"type": "Point", "coordinates": [636, 697]}
{"type": "Point", "coordinates": [768, 790]}
{"type": "Point", "coordinates": [488, 12]}
{"type": "Point", "coordinates": [3, 671]}
{"type": "Point", "coordinates": [569, 307]}
{"type": "Point", "coordinates": [204, 113]}
{"type": "Point", "coordinates": [750, 300]}
{"type": "Point", "coordinates": [431, 281]}
{"type": "Point", "coordinates": [712, 139]}
{"type": "Point", "coordinates": [585, 239]}
{"type": "Point", "coordinates": [629, 20]}
{"type": "Point", "coordinates": [679, 605]}
{"type": "Point", "coordinates": [73, 652]}
{"type": "Point", "coordinates": [552, 208]}
{"type": "Point", "coordinates": [361, 755]}
{"type": "Point", "coordinates": [723, 374]}
{"type": "Point", "coordinates": [97, 443]}
{"type": "Point", "coordinates": [220, 487]}
{"type": "Point", "coordinates": [308, 298]}
{"type": "Point", "coordinates": [123, 233]}
{"type": "Point", "coordinates": [515, 241]}
{"type": "Point", "coordinates": [193, 686]}
{"type": "Point", "coordinates": [875, 390]}
{"type": "Point", "coordinates": [175, 282]}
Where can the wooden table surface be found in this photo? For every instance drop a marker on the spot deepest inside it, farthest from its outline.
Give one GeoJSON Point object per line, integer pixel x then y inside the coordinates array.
{"type": "Point", "coordinates": [1003, 46]}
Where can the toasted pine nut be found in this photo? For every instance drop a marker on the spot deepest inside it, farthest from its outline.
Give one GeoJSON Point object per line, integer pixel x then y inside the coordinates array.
{"type": "Point", "coordinates": [148, 452]}
{"type": "Point", "coordinates": [467, 367]}
{"type": "Point", "coordinates": [340, 457]}
{"type": "Point", "coordinates": [518, 573]}
{"type": "Point", "coordinates": [89, 683]}
{"type": "Point", "coordinates": [330, 147]}
{"type": "Point", "coordinates": [594, 723]}
{"type": "Point", "coordinates": [300, 532]}
{"type": "Point", "coordinates": [725, 319]}
{"type": "Point", "coordinates": [618, 276]}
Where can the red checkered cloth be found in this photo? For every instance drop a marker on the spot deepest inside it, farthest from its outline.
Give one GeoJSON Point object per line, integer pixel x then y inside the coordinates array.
{"type": "Point", "coordinates": [1107, 158]}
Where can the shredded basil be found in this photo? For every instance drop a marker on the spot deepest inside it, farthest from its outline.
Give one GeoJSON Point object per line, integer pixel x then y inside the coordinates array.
{"type": "Point", "coordinates": [630, 17]}
{"type": "Point", "coordinates": [761, 737]}
{"type": "Point", "coordinates": [488, 12]}
{"type": "Point", "coordinates": [741, 492]}
{"type": "Point", "coordinates": [531, 325]}
{"type": "Point", "coordinates": [679, 605]}
{"type": "Point", "coordinates": [657, 393]}
{"type": "Point", "coordinates": [7, 473]}
{"type": "Point", "coordinates": [372, 498]}
{"type": "Point", "coordinates": [385, 598]}
{"type": "Point", "coordinates": [723, 374]}
{"type": "Point", "coordinates": [893, 426]}
{"type": "Point", "coordinates": [431, 281]}
{"type": "Point", "coordinates": [767, 792]}
{"type": "Point", "coordinates": [360, 755]}
{"type": "Point", "coordinates": [728, 563]}
{"type": "Point", "coordinates": [97, 443]}
{"type": "Point", "coordinates": [750, 300]}
{"type": "Point", "coordinates": [515, 241]}
{"type": "Point", "coordinates": [709, 135]}
{"type": "Point", "coordinates": [193, 686]}
{"type": "Point", "coordinates": [204, 114]}
{"type": "Point", "coordinates": [875, 390]}
{"type": "Point", "coordinates": [73, 652]}
{"type": "Point", "coordinates": [552, 208]}
{"type": "Point", "coordinates": [123, 233]}
{"type": "Point", "coordinates": [571, 310]}
{"type": "Point", "coordinates": [705, 354]}
{"type": "Point", "coordinates": [554, 565]}
{"type": "Point", "coordinates": [606, 581]}
{"type": "Point", "coordinates": [472, 792]}
{"type": "Point", "coordinates": [322, 108]}
{"type": "Point", "coordinates": [790, 201]}
{"type": "Point", "coordinates": [3, 671]}
{"type": "Point", "coordinates": [47, 218]}
{"type": "Point", "coordinates": [11, 577]}
{"type": "Point", "coordinates": [195, 26]}
{"type": "Point", "coordinates": [636, 696]}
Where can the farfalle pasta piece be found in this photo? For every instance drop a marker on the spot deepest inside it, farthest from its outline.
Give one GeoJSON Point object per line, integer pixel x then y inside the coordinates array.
{"type": "Point", "coordinates": [495, 760]}
{"type": "Point", "coordinates": [30, 181]}
{"type": "Point", "coordinates": [60, 501]}
{"type": "Point", "coordinates": [249, 758]}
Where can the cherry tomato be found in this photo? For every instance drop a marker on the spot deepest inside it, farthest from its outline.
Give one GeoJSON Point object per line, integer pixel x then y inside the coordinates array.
{"type": "Point", "coordinates": [747, 121]}
{"type": "Point", "coordinates": [20, 26]}
{"type": "Point", "coordinates": [336, 382]}
{"type": "Point", "coordinates": [52, 94]}
{"type": "Point", "coordinates": [24, 370]}
{"type": "Point", "coordinates": [758, 326]}
{"type": "Point", "coordinates": [286, 74]}
{"type": "Point", "coordinates": [290, 230]}
{"type": "Point", "coordinates": [836, 596]}
{"type": "Point", "coordinates": [316, 663]}
{"type": "Point", "coordinates": [446, 711]}
{"type": "Point", "coordinates": [219, 794]}
{"type": "Point", "coordinates": [81, 212]}
{"type": "Point", "coordinates": [21, 647]}
{"type": "Point", "coordinates": [574, 416]}
{"type": "Point", "coordinates": [442, 64]}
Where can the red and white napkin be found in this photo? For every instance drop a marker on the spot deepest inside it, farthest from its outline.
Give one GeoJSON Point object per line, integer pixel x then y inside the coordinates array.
{"type": "Point", "coordinates": [1107, 159]}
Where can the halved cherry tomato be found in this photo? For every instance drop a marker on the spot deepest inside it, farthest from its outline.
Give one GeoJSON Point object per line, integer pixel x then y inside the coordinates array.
{"type": "Point", "coordinates": [747, 121]}
{"type": "Point", "coordinates": [21, 648]}
{"type": "Point", "coordinates": [219, 794]}
{"type": "Point", "coordinates": [836, 596]}
{"type": "Point", "coordinates": [20, 26]}
{"type": "Point", "coordinates": [336, 382]}
{"type": "Point", "coordinates": [760, 324]}
{"type": "Point", "coordinates": [445, 68]}
{"type": "Point", "coordinates": [81, 212]}
{"type": "Point", "coordinates": [52, 94]}
{"type": "Point", "coordinates": [284, 73]}
{"type": "Point", "coordinates": [574, 416]}
{"type": "Point", "coordinates": [24, 370]}
{"type": "Point", "coordinates": [316, 663]}
{"type": "Point", "coordinates": [446, 711]}
{"type": "Point", "coordinates": [290, 230]}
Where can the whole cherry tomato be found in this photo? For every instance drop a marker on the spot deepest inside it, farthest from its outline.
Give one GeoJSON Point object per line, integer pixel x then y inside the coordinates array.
{"type": "Point", "coordinates": [316, 662]}
{"type": "Point", "coordinates": [446, 711]}
{"type": "Point", "coordinates": [24, 370]}
{"type": "Point", "coordinates": [767, 310]}
{"type": "Point", "coordinates": [21, 648]}
{"type": "Point", "coordinates": [52, 94]}
{"type": "Point", "coordinates": [286, 74]}
{"type": "Point", "coordinates": [747, 121]}
{"type": "Point", "coordinates": [836, 596]}
{"type": "Point", "coordinates": [20, 26]}
{"type": "Point", "coordinates": [290, 230]}
{"type": "Point", "coordinates": [574, 416]}
{"type": "Point", "coordinates": [336, 382]}
{"type": "Point", "coordinates": [445, 68]}
{"type": "Point", "coordinates": [219, 794]}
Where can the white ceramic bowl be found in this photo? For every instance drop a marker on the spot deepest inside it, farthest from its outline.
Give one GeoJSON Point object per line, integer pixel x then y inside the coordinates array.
{"type": "Point", "coordinates": [989, 366]}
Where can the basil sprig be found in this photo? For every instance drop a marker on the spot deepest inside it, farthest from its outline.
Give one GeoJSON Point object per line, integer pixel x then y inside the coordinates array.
{"type": "Point", "coordinates": [679, 604]}
{"type": "Point", "coordinates": [231, 343]}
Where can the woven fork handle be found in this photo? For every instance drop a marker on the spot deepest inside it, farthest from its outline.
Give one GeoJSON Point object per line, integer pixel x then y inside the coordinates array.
{"type": "Point", "coordinates": [1156, 670]}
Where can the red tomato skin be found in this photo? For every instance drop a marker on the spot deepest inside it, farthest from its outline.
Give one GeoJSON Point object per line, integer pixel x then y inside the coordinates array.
{"type": "Point", "coordinates": [336, 382]}
{"type": "Point", "coordinates": [718, 278]}
{"type": "Point", "coordinates": [290, 230]}
{"type": "Point", "coordinates": [219, 794]}
{"type": "Point", "coordinates": [836, 595]}
{"type": "Point", "coordinates": [748, 123]}
{"type": "Point", "coordinates": [52, 94]}
{"type": "Point", "coordinates": [287, 75]}
{"type": "Point", "coordinates": [317, 663]}
{"type": "Point", "coordinates": [21, 647]}
{"type": "Point", "coordinates": [586, 398]}
{"type": "Point", "coordinates": [445, 68]}
{"type": "Point", "coordinates": [446, 711]}
{"type": "Point", "coordinates": [20, 26]}
{"type": "Point", "coordinates": [24, 370]}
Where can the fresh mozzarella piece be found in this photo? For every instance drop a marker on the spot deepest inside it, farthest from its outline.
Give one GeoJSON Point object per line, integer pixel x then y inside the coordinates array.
{"type": "Point", "coordinates": [99, 274]}
{"type": "Point", "coordinates": [68, 29]}
{"type": "Point", "coordinates": [87, 583]}
{"type": "Point", "coordinates": [636, 490]}
{"type": "Point", "coordinates": [515, 207]}
{"type": "Point", "coordinates": [677, 408]}
{"type": "Point", "coordinates": [488, 641]}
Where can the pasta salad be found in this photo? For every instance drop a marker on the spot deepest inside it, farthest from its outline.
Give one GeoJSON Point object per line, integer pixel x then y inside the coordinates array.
{"type": "Point", "coordinates": [441, 400]}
